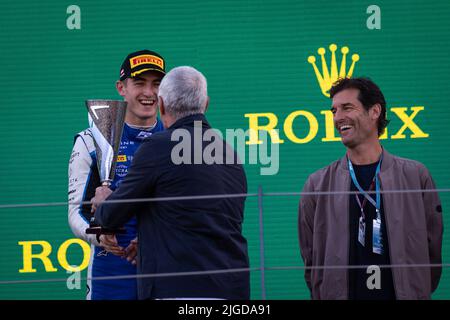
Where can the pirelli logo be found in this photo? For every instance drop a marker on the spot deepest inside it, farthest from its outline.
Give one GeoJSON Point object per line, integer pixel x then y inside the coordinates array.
{"type": "Point", "coordinates": [146, 59]}
{"type": "Point", "coordinates": [122, 158]}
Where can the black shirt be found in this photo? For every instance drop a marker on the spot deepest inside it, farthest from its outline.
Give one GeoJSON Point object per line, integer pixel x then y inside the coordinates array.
{"type": "Point", "coordinates": [363, 255]}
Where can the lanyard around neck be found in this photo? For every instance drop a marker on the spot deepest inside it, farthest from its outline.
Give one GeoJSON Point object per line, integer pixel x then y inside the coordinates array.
{"type": "Point", "coordinates": [376, 203]}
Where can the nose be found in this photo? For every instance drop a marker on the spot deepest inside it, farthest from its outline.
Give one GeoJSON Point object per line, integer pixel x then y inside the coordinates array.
{"type": "Point", "coordinates": [338, 116]}
{"type": "Point", "coordinates": [150, 90]}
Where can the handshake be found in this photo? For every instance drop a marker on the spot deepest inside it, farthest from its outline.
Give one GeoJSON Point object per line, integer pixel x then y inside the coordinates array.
{"type": "Point", "coordinates": [110, 244]}
{"type": "Point", "coordinates": [109, 241]}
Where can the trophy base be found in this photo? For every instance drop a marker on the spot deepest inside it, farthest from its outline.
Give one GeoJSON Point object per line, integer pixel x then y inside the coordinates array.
{"type": "Point", "coordinates": [100, 230]}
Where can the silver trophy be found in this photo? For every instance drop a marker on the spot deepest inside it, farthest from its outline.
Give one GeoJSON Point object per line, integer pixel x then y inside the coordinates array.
{"type": "Point", "coordinates": [106, 120]}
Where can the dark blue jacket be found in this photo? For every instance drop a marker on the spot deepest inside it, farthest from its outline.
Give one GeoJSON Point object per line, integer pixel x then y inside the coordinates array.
{"type": "Point", "coordinates": [187, 235]}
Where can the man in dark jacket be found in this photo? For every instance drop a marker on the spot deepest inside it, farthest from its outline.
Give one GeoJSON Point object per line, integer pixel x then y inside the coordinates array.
{"type": "Point", "coordinates": [197, 235]}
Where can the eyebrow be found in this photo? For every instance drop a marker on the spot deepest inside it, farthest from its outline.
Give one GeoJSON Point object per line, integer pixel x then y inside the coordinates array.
{"type": "Point", "coordinates": [344, 105]}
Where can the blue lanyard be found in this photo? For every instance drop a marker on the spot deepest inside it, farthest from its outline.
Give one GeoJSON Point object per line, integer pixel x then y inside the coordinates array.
{"type": "Point", "coordinates": [376, 204]}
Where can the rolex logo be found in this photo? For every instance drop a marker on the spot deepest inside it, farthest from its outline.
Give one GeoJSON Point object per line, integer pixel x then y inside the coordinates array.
{"type": "Point", "coordinates": [327, 77]}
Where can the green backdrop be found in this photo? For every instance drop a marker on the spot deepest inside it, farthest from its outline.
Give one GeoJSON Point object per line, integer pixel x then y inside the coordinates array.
{"type": "Point", "coordinates": [254, 54]}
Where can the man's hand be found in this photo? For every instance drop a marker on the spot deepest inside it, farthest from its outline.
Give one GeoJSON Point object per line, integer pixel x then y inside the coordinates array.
{"type": "Point", "coordinates": [131, 251]}
{"type": "Point", "coordinates": [110, 244]}
{"type": "Point", "coordinates": [101, 193]}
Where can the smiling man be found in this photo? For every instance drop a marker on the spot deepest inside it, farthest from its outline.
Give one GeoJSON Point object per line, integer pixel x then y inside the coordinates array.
{"type": "Point", "coordinates": [113, 255]}
{"type": "Point", "coordinates": [370, 227]}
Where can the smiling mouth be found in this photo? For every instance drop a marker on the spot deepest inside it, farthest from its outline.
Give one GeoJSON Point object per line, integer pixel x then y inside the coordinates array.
{"type": "Point", "coordinates": [344, 128]}
{"type": "Point", "coordinates": [147, 102]}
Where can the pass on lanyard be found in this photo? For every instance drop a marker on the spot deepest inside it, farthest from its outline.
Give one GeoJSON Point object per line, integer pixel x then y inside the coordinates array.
{"type": "Point", "coordinates": [376, 234]}
{"type": "Point", "coordinates": [362, 218]}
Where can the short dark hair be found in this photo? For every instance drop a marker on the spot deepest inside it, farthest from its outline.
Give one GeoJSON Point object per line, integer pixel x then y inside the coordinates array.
{"type": "Point", "coordinates": [369, 94]}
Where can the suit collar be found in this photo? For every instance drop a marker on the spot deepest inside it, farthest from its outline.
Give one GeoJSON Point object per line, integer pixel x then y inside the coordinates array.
{"type": "Point", "coordinates": [189, 121]}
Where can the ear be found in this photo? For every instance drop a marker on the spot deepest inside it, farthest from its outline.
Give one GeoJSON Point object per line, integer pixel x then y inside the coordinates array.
{"type": "Point", "coordinates": [207, 104]}
{"type": "Point", "coordinates": [120, 86]}
{"type": "Point", "coordinates": [375, 111]}
{"type": "Point", "coordinates": [162, 110]}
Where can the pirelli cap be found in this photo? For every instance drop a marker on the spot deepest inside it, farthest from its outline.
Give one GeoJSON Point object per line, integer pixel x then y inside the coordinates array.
{"type": "Point", "coordinates": [141, 61]}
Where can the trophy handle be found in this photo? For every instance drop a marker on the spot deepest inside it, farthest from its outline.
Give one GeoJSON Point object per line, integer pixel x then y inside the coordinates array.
{"type": "Point", "coordinates": [94, 228]}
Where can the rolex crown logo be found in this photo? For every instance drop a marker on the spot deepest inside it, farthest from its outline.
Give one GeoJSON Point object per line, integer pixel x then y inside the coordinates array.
{"type": "Point", "coordinates": [327, 78]}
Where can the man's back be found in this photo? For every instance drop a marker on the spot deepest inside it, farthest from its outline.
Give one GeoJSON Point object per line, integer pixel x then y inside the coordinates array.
{"type": "Point", "coordinates": [195, 235]}
{"type": "Point", "coordinates": [189, 235]}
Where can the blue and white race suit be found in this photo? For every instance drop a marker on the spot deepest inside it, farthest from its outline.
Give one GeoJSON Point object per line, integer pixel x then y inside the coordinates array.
{"type": "Point", "coordinates": [83, 180]}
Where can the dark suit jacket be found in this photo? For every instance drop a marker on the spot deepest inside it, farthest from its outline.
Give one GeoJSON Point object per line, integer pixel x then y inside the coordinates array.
{"type": "Point", "coordinates": [188, 235]}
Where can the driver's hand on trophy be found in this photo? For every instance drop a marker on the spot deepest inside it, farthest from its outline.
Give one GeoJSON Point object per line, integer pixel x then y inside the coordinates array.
{"type": "Point", "coordinates": [101, 193]}
{"type": "Point", "coordinates": [110, 244]}
{"type": "Point", "coordinates": [131, 251]}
